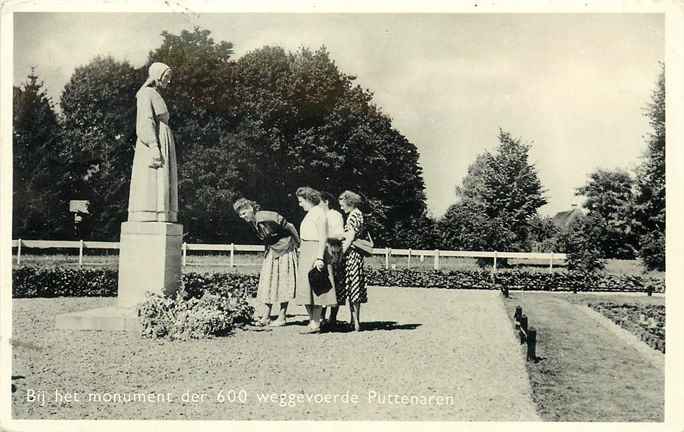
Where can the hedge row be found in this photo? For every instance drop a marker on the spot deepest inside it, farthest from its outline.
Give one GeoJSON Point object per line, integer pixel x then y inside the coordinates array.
{"type": "Point", "coordinates": [67, 282]}
{"type": "Point", "coordinates": [515, 280]}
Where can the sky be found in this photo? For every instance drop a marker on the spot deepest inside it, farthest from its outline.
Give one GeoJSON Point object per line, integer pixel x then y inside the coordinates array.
{"type": "Point", "coordinates": [574, 86]}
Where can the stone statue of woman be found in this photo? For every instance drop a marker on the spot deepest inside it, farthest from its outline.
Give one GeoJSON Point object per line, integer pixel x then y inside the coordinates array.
{"type": "Point", "coordinates": [154, 183]}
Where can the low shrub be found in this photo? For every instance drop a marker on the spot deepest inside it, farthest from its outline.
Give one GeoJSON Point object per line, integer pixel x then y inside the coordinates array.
{"type": "Point", "coordinates": [69, 282]}
{"type": "Point", "coordinates": [56, 281]}
{"type": "Point", "coordinates": [515, 280]}
{"type": "Point", "coordinates": [190, 317]}
{"type": "Point", "coordinates": [63, 282]}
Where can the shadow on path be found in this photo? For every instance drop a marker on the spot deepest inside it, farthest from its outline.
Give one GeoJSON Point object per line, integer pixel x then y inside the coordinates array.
{"type": "Point", "coordinates": [387, 325]}
{"type": "Point", "coordinates": [345, 327]}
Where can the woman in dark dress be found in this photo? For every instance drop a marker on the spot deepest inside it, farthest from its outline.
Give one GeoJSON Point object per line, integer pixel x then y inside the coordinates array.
{"type": "Point", "coordinates": [277, 280]}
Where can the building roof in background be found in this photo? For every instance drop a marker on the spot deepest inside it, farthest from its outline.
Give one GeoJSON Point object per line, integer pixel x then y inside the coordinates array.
{"type": "Point", "coordinates": [563, 219]}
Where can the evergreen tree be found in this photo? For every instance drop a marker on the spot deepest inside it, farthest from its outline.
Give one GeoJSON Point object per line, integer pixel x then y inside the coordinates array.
{"type": "Point", "coordinates": [649, 201]}
{"type": "Point", "coordinates": [40, 209]}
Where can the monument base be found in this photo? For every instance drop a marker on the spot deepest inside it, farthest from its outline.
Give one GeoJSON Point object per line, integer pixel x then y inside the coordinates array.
{"type": "Point", "coordinates": [106, 318]}
{"type": "Point", "coordinates": [149, 260]}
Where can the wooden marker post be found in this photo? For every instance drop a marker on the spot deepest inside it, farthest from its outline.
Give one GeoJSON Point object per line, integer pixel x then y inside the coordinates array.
{"type": "Point", "coordinates": [532, 344]}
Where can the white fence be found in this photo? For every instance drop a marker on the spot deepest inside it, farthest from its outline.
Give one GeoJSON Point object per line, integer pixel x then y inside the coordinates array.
{"type": "Point", "coordinates": [232, 249]}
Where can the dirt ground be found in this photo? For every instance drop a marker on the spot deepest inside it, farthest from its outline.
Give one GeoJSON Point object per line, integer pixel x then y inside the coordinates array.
{"type": "Point", "coordinates": [423, 355]}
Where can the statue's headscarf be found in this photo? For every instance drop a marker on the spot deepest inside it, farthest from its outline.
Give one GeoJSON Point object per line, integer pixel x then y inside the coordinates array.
{"type": "Point", "coordinates": [154, 74]}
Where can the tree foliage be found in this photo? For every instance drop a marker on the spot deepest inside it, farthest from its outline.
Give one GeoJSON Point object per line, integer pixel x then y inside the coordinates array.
{"type": "Point", "coordinates": [649, 201]}
{"type": "Point", "coordinates": [582, 244]}
{"type": "Point", "coordinates": [497, 201]}
{"type": "Point", "coordinates": [260, 126]}
{"type": "Point", "coordinates": [40, 209]}
{"type": "Point", "coordinates": [609, 198]}
{"type": "Point", "coordinates": [98, 111]}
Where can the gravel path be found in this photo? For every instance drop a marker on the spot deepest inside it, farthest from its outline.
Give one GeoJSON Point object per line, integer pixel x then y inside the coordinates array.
{"type": "Point", "coordinates": [439, 354]}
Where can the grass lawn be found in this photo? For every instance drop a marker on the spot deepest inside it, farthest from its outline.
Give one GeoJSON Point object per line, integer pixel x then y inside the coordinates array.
{"type": "Point", "coordinates": [586, 373]}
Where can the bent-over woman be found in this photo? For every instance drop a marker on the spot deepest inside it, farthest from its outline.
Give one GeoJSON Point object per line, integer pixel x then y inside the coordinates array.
{"type": "Point", "coordinates": [278, 277]}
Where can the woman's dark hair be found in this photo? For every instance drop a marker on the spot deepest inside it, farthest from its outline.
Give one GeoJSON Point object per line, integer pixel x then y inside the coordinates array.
{"type": "Point", "coordinates": [329, 198]}
{"type": "Point", "coordinates": [333, 253]}
{"type": "Point", "coordinates": [309, 194]}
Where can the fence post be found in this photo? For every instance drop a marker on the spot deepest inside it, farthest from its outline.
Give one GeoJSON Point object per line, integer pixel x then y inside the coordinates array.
{"type": "Point", "coordinates": [495, 253]}
{"type": "Point", "coordinates": [387, 254]}
{"type": "Point", "coordinates": [18, 251]}
{"type": "Point", "coordinates": [551, 263]}
{"type": "Point", "coordinates": [532, 344]}
{"type": "Point", "coordinates": [436, 264]}
{"type": "Point", "coordinates": [80, 253]}
{"type": "Point", "coordinates": [232, 255]}
{"type": "Point", "coordinates": [523, 329]}
{"type": "Point", "coordinates": [408, 263]}
{"type": "Point", "coordinates": [185, 253]}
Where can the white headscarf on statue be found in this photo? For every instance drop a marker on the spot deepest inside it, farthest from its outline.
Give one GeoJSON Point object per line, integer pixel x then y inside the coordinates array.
{"type": "Point", "coordinates": [155, 74]}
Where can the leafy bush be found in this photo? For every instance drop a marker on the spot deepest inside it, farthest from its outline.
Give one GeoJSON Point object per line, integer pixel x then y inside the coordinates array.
{"type": "Point", "coordinates": [189, 317]}
{"type": "Point", "coordinates": [582, 245]}
{"type": "Point", "coordinates": [653, 251]}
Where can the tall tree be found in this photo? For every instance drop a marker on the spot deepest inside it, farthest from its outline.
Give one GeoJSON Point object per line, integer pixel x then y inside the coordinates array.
{"type": "Point", "coordinates": [512, 189]}
{"type": "Point", "coordinates": [650, 183]}
{"type": "Point", "coordinates": [308, 124]}
{"type": "Point", "coordinates": [40, 210]}
{"type": "Point", "coordinates": [98, 108]}
{"type": "Point", "coordinates": [609, 196]}
{"type": "Point", "coordinates": [201, 100]}
{"type": "Point", "coordinates": [497, 201]}
{"type": "Point", "coordinates": [260, 126]}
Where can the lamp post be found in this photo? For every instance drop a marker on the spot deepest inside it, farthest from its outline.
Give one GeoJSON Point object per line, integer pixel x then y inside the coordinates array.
{"type": "Point", "coordinates": [78, 208]}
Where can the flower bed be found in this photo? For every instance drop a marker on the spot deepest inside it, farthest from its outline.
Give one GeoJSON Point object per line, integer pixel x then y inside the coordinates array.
{"type": "Point", "coordinates": [68, 282]}
{"type": "Point", "coordinates": [647, 321]}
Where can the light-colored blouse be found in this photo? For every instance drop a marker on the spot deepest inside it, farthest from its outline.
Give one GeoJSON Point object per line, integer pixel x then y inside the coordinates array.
{"type": "Point", "coordinates": [314, 225]}
{"type": "Point", "coordinates": [335, 223]}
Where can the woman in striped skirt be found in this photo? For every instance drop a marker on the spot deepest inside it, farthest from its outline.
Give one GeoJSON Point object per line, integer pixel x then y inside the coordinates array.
{"type": "Point", "coordinates": [354, 286]}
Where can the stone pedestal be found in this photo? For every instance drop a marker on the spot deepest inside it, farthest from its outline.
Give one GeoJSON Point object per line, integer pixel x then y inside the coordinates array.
{"type": "Point", "coordinates": [149, 260]}
{"type": "Point", "coordinates": [106, 318]}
